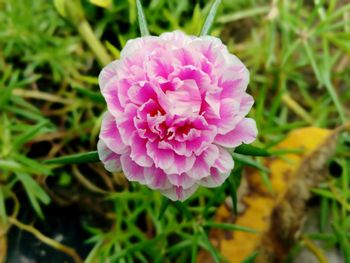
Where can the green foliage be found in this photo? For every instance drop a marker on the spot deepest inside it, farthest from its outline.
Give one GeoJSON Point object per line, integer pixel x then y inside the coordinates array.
{"type": "Point", "coordinates": [89, 157]}
{"type": "Point", "coordinates": [49, 94]}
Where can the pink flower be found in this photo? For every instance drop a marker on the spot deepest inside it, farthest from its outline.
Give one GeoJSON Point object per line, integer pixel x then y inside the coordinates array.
{"type": "Point", "coordinates": [175, 103]}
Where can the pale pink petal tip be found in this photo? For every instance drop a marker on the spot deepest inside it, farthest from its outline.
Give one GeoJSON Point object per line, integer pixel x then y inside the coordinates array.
{"type": "Point", "coordinates": [175, 104]}
{"type": "Point", "coordinates": [110, 159]}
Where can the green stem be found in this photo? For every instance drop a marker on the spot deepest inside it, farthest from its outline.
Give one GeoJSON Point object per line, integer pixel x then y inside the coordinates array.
{"type": "Point", "coordinates": [94, 44]}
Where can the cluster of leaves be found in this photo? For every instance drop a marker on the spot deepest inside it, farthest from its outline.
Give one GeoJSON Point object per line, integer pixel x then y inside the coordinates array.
{"type": "Point", "coordinates": [297, 51]}
{"type": "Point", "coordinates": [299, 61]}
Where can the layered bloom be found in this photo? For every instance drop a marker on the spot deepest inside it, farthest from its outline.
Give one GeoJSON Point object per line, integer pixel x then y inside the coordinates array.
{"type": "Point", "coordinates": [175, 104]}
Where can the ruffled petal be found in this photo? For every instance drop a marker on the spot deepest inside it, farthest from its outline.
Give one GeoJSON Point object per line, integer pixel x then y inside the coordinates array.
{"type": "Point", "coordinates": [181, 180]}
{"type": "Point", "coordinates": [204, 162]}
{"type": "Point", "coordinates": [229, 109]}
{"type": "Point", "coordinates": [156, 178]}
{"type": "Point", "coordinates": [132, 171]}
{"type": "Point", "coordinates": [220, 170]}
{"type": "Point", "coordinates": [215, 179]}
{"type": "Point", "coordinates": [162, 158]}
{"type": "Point", "coordinates": [107, 73]}
{"type": "Point", "coordinates": [176, 38]}
{"type": "Point", "coordinates": [181, 164]}
{"type": "Point", "coordinates": [112, 96]}
{"type": "Point", "coordinates": [138, 151]}
{"type": "Point", "coordinates": [186, 99]}
{"type": "Point", "coordinates": [177, 193]}
{"type": "Point", "coordinates": [245, 132]}
{"type": "Point", "coordinates": [126, 123]}
{"type": "Point", "coordinates": [110, 134]}
{"type": "Point", "coordinates": [110, 160]}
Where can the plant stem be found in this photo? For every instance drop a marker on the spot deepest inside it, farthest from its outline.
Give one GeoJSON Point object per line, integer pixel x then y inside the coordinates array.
{"type": "Point", "coordinates": [48, 241]}
{"type": "Point", "coordinates": [294, 106]}
{"type": "Point", "coordinates": [318, 253]}
{"type": "Point", "coordinates": [94, 44]}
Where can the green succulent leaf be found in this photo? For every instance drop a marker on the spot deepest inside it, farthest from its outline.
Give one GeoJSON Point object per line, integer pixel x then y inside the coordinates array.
{"type": "Point", "coordinates": [89, 157]}
{"type": "Point", "coordinates": [247, 149]}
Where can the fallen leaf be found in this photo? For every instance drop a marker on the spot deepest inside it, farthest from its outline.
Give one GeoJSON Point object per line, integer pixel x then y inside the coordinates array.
{"type": "Point", "coordinates": [277, 215]}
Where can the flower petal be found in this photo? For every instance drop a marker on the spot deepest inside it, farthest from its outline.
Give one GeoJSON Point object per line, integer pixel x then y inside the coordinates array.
{"type": "Point", "coordinates": [110, 134]}
{"type": "Point", "coordinates": [156, 178]}
{"type": "Point", "coordinates": [162, 158]}
{"type": "Point", "coordinates": [176, 38]}
{"type": "Point", "coordinates": [201, 167]}
{"type": "Point", "coordinates": [177, 193]}
{"type": "Point", "coordinates": [110, 160]}
{"type": "Point", "coordinates": [220, 170]}
{"type": "Point", "coordinates": [186, 99]}
{"type": "Point", "coordinates": [138, 151]}
{"type": "Point", "coordinates": [181, 180]}
{"type": "Point", "coordinates": [112, 96]}
{"type": "Point", "coordinates": [245, 132]}
{"type": "Point", "coordinates": [181, 164]}
{"type": "Point", "coordinates": [126, 124]}
{"type": "Point", "coordinates": [132, 171]}
{"type": "Point", "coordinates": [215, 179]}
{"type": "Point", "coordinates": [224, 163]}
{"type": "Point", "coordinates": [229, 108]}
{"type": "Point", "coordinates": [108, 72]}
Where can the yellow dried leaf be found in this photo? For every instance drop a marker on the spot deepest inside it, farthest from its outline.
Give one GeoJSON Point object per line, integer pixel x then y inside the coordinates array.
{"type": "Point", "coordinates": [278, 215]}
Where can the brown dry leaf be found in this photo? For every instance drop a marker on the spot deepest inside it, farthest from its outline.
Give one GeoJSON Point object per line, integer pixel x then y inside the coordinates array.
{"type": "Point", "coordinates": [277, 216]}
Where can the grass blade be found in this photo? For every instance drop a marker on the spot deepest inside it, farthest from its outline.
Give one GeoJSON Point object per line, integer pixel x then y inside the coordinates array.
{"type": "Point", "coordinates": [247, 149]}
{"type": "Point", "coordinates": [89, 157]}
{"type": "Point", "coordinates": [183, 209]}
{"type": "Point", "coordinates": [251, 258]}
{"type": "Point", "coordinates": [249, 161]}
{"type": "Point", "coordinates": [230, 227]}
{"type": "Point", "coordinates": [243, 14]}
{"type": "Point", "coordinates": [34, 191]}
{"type": "Point", "coordinates": [165, 204]}
{"type": "Point", "coordinates": [233, 184]}
{"type": "Point", "coordinates": [323, 78]}
{"type": "Point", "coordinates": [94, 96]}
{"type": "Point", "coordinates": [343, 241]}
{"type": "Point", "coordinates": [210, 18]}
{"type": "Point", "coordinates": [28, 135]}
{"type": "Point", "coordinates": [194, 251]}
{"type": "Point", "coordinates": [324, 214]}
{"type": "Point", "coordinates": [209, 247]}
{"type": "Point", "coordinates": [142, 20]}
{"type": "Point", "coordinates": [3, 215]}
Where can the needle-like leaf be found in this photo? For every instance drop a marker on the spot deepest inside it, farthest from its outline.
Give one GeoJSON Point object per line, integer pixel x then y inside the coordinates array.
{"type": "Point", "coordinates": [89, 157]}
{"type": "Point", "coordinates": [210, 18]}
{"type": "Point", "coordinates": [142, 20]}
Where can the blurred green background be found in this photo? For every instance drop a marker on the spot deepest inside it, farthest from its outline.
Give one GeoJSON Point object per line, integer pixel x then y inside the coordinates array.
{"type": "Point", "coordinates": [51, 53]}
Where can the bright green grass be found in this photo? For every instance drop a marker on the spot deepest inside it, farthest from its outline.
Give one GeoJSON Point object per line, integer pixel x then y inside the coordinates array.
{"type": "Point", "coordinates": [294, 49]}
